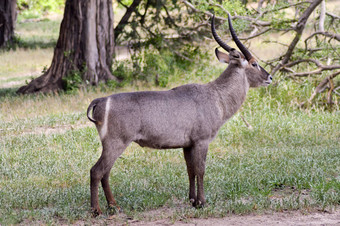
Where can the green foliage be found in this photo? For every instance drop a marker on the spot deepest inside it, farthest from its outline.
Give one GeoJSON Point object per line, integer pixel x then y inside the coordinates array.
{"type": "Point", "coordinates": [73, 81]}
{"type": "Point", "coordinates": [36, 8]}
{"type": "Point", "coordinates": [160, 25]}
{"type": "Point", "coordinates": [155, 21]}
{"type": "Point", "coordinates": [36, 34]}
{"type": "Point", "coordinates": [233, 7]}
{"type": "Point", "coordinates": [278, 18]}
{"type": "Point", "coordinates": [155, 66]}
{"type": "Point", "coordinates": [159, 66]}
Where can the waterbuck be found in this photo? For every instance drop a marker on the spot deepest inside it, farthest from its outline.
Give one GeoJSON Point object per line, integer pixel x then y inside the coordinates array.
{"type": "Point", "coordinates": [187, 117]}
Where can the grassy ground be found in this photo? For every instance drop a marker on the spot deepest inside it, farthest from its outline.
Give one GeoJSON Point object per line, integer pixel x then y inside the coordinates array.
{"type": "Point", "coordinates": [33, 52]}
{"type": "Point", "coordinates": [290, 160]}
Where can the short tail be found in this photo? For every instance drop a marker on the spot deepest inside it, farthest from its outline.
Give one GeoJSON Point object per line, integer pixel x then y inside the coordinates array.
{"type": "Point", "coordinates": [92, 106]}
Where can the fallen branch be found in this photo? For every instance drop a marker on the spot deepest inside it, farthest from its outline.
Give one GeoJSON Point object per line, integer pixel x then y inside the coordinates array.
{"type": "Point", "coordinates": [321, 87]}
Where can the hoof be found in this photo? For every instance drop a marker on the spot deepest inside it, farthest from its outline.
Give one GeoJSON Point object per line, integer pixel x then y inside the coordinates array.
{"type": "Point", "coordinates": [96, 212]}
{"type": "Point", "coordinates": [198, 204]}
{"type": "Point", "coordinates": [113, 209]}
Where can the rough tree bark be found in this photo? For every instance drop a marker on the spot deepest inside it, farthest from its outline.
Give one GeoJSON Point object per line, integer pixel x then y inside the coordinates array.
{"type": "Point", "coordinates": [85, 44]}
{"type": "Point", "coordinates": [8, 16]}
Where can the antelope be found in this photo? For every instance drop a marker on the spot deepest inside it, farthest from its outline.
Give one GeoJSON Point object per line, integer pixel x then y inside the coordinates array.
{"type": "Point", "coordinates": [188, 117]}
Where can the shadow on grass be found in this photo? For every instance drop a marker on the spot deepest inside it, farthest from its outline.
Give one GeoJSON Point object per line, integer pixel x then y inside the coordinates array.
{"type": "Point", "coordinates": [18, 42]}
{"type": "Point", "coordinates": [8, 92]}
{"type": "Point", "coordinates": [32, 44]}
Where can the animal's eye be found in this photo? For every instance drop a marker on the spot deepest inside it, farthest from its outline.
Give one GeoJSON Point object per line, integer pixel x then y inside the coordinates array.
{"type": "Point", "coordinates": [254, 64]}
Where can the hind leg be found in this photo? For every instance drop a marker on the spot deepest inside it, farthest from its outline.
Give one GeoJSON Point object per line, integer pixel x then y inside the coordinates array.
{"type": "Point", "coordinates": [111, 202]}
{"type": "Point", "coordinates": [101, 170]}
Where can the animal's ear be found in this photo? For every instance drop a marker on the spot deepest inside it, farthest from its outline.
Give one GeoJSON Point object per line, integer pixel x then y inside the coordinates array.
{"type": "Point", "coordinates": [222, 57]}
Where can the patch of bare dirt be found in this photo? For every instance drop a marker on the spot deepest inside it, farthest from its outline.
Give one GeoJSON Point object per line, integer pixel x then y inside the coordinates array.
{"type": "Point", "coordinates": [291, 218]}
{"type": "Point", "coordinates": [11, 84]}
{"type": "Point", "coordinates": [48, 129]}
{"type": "Point", "coordinates": [57, 129]}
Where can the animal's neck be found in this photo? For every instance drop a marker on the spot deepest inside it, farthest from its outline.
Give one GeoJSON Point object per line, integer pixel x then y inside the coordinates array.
{"type": "Point", "coordinates": [231, 89]}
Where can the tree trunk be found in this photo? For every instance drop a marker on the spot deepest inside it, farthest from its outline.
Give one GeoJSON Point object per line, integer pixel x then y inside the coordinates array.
{"type": "Point", "coordinates": [322, 16]}
{"type": "Point", "coordinates": [259, 5]}
{"type": "Point", "coordinates": [8, 15]}
{"type": "Point", "coordinates": [85, 46]}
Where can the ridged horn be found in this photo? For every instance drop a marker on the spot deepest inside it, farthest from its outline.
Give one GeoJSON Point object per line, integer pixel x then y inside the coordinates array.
{"type": "Point", "coordinates": [217, 38]}
{"type": "Point", "coordinates": [242, 48]}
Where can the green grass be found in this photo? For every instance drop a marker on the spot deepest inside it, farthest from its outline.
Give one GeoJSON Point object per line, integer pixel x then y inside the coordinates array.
{"type": "Point", "coordinates": [290, 160]}
{"type": "Point", "coordinates": [31, 53]}
{"type": "Point", "coordinates": [38, 34]}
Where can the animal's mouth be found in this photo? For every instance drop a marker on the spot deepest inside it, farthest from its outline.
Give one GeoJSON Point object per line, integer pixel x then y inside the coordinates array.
{"type": "Point", "coordinates": [267, 83]}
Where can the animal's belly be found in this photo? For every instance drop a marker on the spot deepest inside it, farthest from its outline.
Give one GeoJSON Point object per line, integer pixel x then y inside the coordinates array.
{"type": "Point", "coordinates": [164, 142]}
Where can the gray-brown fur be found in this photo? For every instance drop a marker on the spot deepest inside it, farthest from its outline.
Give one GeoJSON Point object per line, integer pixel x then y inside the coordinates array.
{"type": "Point", "coordinates": [187, 117]}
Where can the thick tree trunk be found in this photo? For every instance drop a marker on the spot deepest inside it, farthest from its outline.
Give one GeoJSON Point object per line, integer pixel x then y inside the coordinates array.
{"type": "Point", "coordinates": [85, 44]}
{"type": "Point", "coordinates": [8, 15]}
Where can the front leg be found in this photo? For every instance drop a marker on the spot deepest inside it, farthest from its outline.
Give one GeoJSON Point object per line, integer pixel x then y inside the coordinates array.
{"type": "Point", "coordinates": [188, 156]}
{"type": "Point", "coordinates": [195, 158]}
{"type": "Point", "coordinates": [200, 154]}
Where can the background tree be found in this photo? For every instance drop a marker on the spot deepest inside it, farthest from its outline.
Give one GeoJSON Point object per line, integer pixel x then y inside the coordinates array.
{"type": "Point", "coordinates": [84, 50]}
{"type": "Point", "coordinates": [172, 27]}
{"type": "Point", "coordinates": [8, 16]}
{"type": "Point", "coordinates": [312, 54]}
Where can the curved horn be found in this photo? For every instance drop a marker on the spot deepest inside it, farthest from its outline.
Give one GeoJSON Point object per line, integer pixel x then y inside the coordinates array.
{"type": "Point", "coordinates": [217, 38]}
{"type": "Point", "coordinates": [243, 49]}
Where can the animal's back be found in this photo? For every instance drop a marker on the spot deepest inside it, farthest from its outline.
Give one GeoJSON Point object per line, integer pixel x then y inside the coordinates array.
{"type": "Point", "coordinates": [159, 119]}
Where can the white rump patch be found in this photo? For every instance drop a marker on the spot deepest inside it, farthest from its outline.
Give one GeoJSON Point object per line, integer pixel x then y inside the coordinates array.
{"type": "Point", "coordinates": [103, 130]}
